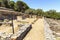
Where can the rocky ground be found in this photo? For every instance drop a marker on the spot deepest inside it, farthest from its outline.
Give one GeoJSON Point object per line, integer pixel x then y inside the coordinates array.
{"type": "Point", "coordinates": [54, 27]}
{"type": "Point", "coordinates": [48, 32]}
{"type": "Point", "coordinates": [42, 28]}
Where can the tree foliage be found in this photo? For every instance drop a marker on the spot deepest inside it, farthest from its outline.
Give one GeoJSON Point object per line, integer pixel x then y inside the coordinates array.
{"type": "Point", "coordinates": [5, 2]}
{"type": "Point", "coordinates": [30, 11]}
{"type": "Point", "coordinates": [23, 7]}
{"type": "Point", "coordinates": [39, 12]}
{"type": "Point", "coordinates": [17, 6]}
{"type": "Point", "coordinates": [11, 4]}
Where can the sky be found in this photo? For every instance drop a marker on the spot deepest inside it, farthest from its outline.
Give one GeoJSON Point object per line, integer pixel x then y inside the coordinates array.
{"type": "Point", "coordinates": [43, 4]}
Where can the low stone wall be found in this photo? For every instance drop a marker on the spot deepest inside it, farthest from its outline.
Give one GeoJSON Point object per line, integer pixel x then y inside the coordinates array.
{"type": "Point", "coordinates": [21, 37]}
{"type": "Point", "coordinates": [23, 34]}
{"type": "Point", "coordinates": [48, 32]}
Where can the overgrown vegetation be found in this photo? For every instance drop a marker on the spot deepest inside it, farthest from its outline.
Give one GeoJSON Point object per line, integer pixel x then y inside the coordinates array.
{"type": "Point", "coordinates": [21, 6]}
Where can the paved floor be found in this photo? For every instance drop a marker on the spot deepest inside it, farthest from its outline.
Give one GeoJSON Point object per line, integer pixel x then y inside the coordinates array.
{"type": "Point", "coordinates": [37, 31]}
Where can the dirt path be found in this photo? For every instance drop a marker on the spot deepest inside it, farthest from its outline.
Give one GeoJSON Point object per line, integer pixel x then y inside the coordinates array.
{"type": "Point", "coordinates": [37, 31]}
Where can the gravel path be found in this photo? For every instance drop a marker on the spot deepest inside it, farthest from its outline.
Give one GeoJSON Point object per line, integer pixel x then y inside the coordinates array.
{"type": "Point", "coordinates": [37, 31]}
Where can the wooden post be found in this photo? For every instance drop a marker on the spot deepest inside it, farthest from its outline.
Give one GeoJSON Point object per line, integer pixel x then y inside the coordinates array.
{"type": "Point", "coordinates": [12, 24]}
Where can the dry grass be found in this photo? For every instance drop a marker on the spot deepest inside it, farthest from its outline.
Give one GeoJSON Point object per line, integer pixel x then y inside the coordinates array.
{"type": "Point", "coordinates": [57, 38]}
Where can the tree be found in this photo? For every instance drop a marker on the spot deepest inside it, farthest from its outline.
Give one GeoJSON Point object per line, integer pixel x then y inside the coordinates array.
{"type": "Point", "coordinates": [0, 4]}
{"type": "Point", "coordinates": [25, 6]}
{"type": "Point", "coordinates": [39, 12]}
{"type": "Point", "coordinates": [30, 12]}
{"type": "Point", "coordinates": [5, 2]}
{"type": "Point", "coordinates": [11, 4]}
{"type": "Point", "coordinates": [57, 15]}
{"type": "Point", "coordinates": [51, 13]}
{"type": "Point", "coordinates": [15, 7]}
{"type": "Point", "coordinates": [20, 6]}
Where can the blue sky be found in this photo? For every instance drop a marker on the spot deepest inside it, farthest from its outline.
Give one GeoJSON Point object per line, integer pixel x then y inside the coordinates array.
{"type": "Point", "coordinates": [43, 4]}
